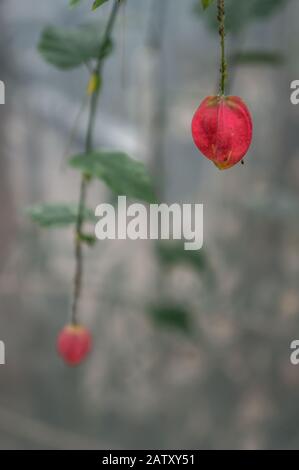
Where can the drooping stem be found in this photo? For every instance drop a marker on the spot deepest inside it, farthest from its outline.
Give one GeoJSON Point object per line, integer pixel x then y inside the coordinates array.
{"type": "Point", "coordinates": [80, 219]}
{"type": "Point", "coordinates": [84, 179]}
{"type": "Point", "coordinates": [223, 64]}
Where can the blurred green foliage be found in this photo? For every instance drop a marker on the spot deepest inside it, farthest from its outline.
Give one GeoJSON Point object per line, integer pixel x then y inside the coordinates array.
{"type": "Point", "coordinates": [96, 4]}
{"type": "Point", "coordinates": [57, 215]}
{"type": "Point", "coordinates": [256, 57]}
{"type": "Point", "coordinates": [173, 253]}
{"type": "Point", "coordinates": [171, 316]}
{"type": "Point", "coordinates": [122, 174]}
{"type": "Point", "coordinates": [70, 48]}
{"type": "Point", "coordinates": [206, 3]}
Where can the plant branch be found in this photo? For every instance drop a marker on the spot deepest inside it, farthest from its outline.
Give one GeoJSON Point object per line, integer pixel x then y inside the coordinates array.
{"type": "Point", "coordinates": [85, 179]}
{"type": "Point", "coordinates": [223, 65]}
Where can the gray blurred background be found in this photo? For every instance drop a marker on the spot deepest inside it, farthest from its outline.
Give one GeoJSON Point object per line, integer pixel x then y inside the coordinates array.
{"type": "Point", "coordinates": [152, 384]}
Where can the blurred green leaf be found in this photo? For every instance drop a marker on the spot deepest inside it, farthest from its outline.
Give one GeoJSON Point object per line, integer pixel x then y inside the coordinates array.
{"type": "Point", "coordinates": [66, 49]}
{"type": "Point", "coordinates": [257, 58]}
{"type": "Point", "coordinates": [57, 215]}
{"type": "Point", "coordinates": [98, 3]}
{"type": "Point", "coordinates": [239, 13]}
{"type": "Point", "coordinates": [90, 240]}
{"type": "Point", "coordinates": [123, 175]}
{"type": "Point", "coordinates": [171, 316]}
{"type": "Point", "coordinates": [206, 3]}
{"type": "Point", "coordinates": [173, 253]}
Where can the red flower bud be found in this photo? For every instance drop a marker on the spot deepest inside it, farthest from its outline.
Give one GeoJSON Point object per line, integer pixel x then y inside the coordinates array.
{"type": "Point", "coordinates": [73, 344]}
{"type": "Point", "coordinates": [222, 130]}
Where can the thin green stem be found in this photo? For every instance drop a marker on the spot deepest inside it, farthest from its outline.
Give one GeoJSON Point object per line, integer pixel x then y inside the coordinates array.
{"type": "Point", "coordinates": [84, 179]}
{"type": "Point", "coordinates": [223, 64]}
{"type": "Point", "coordinates": [109, 27]}
{"type": "Point", "coordinates": [80, 218]}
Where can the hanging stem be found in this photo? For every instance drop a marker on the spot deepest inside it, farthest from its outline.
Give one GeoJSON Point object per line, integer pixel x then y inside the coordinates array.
{"type": "Point", "coordinates": [223, 66]}
{"type": "Point", "coordinates": [85, 179]}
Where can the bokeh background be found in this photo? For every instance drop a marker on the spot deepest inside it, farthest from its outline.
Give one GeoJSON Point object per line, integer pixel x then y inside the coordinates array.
{"type": "Point", "coordinates": [189, 351]}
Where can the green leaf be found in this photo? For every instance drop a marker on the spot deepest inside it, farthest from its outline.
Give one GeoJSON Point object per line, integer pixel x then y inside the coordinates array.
{"type": "Point", "coordinates": [57, 215]}
{"type": "Point", "coordinates": [69, 48]}
{"type": "Point", "coordinates": [173, 253]}
{"type": "Point", "coordinates": [90, 240]}
{"type": "Point", "coordinates": [206, 3]}
{"type": "Point", "coordinates": [257, 58]}
{"type": "Point", "coordinates": [171, 316]}
{"type": "Point", "coordinates": [123, 175]}
{"type": "Point", "coordinates": [98, 3]}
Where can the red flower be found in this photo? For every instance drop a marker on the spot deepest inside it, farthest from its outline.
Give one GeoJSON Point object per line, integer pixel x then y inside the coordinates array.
{"type": "Point", "coordinates": [73, 344]}
{"type": "Point", "coordinates": [222, 130]}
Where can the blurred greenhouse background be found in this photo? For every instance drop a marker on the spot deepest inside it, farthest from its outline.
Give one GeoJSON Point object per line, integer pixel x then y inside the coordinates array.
{"type": "Point", "coordinates": [189, 351]}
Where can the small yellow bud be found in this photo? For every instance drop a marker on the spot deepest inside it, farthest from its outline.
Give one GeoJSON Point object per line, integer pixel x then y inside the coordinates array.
{"type": "Point", "coordinates": [94, 84]}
